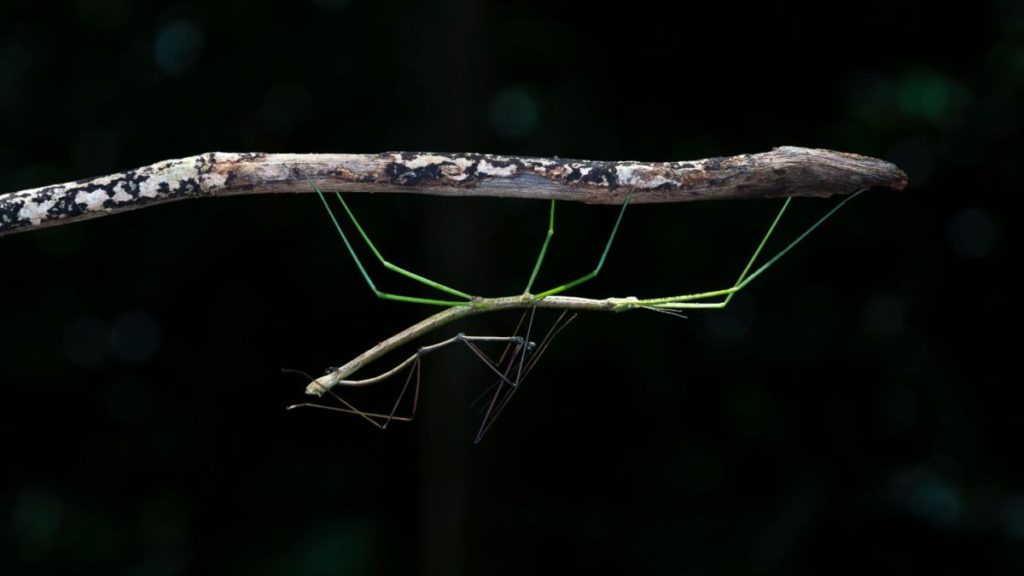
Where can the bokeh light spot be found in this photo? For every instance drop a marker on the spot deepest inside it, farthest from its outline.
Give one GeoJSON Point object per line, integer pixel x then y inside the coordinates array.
{"type": "Point", "coordinates": [35, 518]}
{"type": "Point", "coordinates": [922, 493]}
{"type": "Point", "coordinates": [929, 96]}
{"type": "Point", "coordinates": [87, 341]}
{"type": "Point", "coordinates": [513, 113]}
{"type": "Point", "coordinates": [178, 47]}
{"type": "Point", "coordinates": [135, 336]}
{"type": "Point", "coordinates": [885, 317]}
{"type": "Point", "coordinates": [970, 233]}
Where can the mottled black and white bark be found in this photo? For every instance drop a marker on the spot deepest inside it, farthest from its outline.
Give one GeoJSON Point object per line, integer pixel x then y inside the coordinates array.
{"type": "Point", "coordinates": [785, 171]}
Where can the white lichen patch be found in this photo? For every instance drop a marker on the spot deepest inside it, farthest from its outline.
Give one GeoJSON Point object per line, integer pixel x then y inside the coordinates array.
{"type": "Point", "coordinates": [214, 180]}
{"type": "Point", "coordinates": [456, 173]}
{"type": "Point", "coordinates": [658, 181]}
{"type": "Point", "coordinates": [488, 169]}
{"type": "Point", "coordinates": [92, 201]}
{"type": "Point", "coordinates": [151, 188]}
{"type": "Point", "coordinates": [173, 176]}
{"type": "Point", "coordinates": [123, 194]}
{"type": "Point", "coordinates": [422, 160]}
{"type": "Point", "coordinates": [627, 173]}
{"type": "Point", "coordinates": [34, 212]}
{"type": "Point", "coordinates": [641, 176]}
{"type": "Point", "coordinates": [535, 163]}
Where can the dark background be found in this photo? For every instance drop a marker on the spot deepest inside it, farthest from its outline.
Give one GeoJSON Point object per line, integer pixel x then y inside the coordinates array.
{"type": "Point", "coordinates": [857, 410]}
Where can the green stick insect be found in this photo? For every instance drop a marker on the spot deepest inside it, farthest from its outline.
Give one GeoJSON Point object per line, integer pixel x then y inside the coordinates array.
{"type": "Point", "coordinates": [520, 354]}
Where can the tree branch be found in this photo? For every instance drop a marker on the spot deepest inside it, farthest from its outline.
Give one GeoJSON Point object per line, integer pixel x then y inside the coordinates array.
{"type": "Point", "coordinates": [785, 171]}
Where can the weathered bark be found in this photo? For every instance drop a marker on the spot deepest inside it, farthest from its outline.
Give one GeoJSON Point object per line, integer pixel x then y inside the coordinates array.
{"type": "Point", "coordinates": [785, 171]}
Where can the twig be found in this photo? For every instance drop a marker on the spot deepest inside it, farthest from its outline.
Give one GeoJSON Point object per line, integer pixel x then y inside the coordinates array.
{"type": "Point", "coordinates": [785, 171]}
